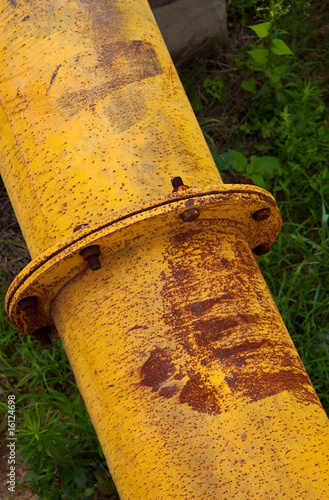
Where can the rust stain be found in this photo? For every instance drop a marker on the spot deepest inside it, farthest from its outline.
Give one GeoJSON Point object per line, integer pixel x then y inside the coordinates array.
{"type": "Point", "coordinates": [105, 17]}
{"type": "Point", "coordinates": [138, 327]}
{"type": "Point", "coordinates": [259, 385]}
{"type": "Point", "coordinates": [199, 395]}
{"type": "Point", "coordinates": [157, 368]}
{"type": "Point", "coordinates": [168, 392]}
{"type": "Point", "coordinates": [200, 308]}
{"type": "Point", "coordinates": [240, 354]}
{"type": "Point", "coordinates": [226, 331]}
{"type": "Point", "coordinates": [207, 331]}
{"type": "Point", "coordinates": [122, 63]}
{"type": "Point", "coordinates": [137, 57]}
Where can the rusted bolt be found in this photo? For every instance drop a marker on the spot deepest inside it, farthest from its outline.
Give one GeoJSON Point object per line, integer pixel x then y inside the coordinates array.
{"type": "Point", "coordinates": [81, 226]}
{"type": "Point", "coordinates": [43, 335]}
{"type": "Point", "coordinates": [262, 249]}
{"type": "Point", "coordinates": [261, 214]}
{"type": "Point", "coordinates": [91, 254]}
{"type": "Point", "coordinates": [247, 180]}
{"type": "Point", "coordinates": [29, 306]}
{"type": "Point", "coordinates": [178, 184]}
{"type": "Point", "coordinates": [190, 214]}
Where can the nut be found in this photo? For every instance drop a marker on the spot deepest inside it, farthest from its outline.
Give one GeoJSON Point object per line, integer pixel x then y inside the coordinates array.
{"type": "Point", "coordinates": [43, 335]}
{"type": "Point", "coordinates": [247, 180]}
{"type": "Point", "coordinates": [178, 184]}
{"type": "Point", "coordinates": [29, 306]}
{"type": "Point", "coordinates": [262, 249]}
{"type": "Point", "coordinates": [262, 214]}
{"type": "Point", "coordinates": [190, 214]}
{"type": "Point", "coordinates": [91, 254]}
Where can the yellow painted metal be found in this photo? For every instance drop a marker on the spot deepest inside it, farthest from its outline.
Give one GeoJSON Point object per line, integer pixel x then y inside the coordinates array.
{"type": "Point", "coordinates": [189, 375]}
{"type": "Point", "coordinates": [93, 115]}
{"type": "Point", "coordinates": [192, 382]}
{"type": "Point", "coordinates": [231, 205]}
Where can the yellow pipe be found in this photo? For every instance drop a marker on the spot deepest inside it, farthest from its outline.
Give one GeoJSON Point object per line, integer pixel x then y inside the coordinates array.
{"type": "Point", "coordinates": [191, 379]}
{"type": "Point", "coordinates": [94, 118]}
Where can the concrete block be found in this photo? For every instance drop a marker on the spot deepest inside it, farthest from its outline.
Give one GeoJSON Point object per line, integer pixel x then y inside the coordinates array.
{"type": "Point", "coordinates": [186, 25]}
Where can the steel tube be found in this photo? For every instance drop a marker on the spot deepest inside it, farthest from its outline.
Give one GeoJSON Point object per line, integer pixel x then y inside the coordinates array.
{"type": "Point", "coordinates": [189, 374]}
{"type": "Point", "coordinates": [192, 382]}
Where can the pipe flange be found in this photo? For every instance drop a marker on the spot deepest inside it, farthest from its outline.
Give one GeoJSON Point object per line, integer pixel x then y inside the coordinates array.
{"type": "Point", "coordinates": [250, 209]}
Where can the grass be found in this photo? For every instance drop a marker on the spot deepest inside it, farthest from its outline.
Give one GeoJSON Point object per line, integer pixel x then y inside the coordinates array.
{"type": "Point", "coordinates": [285, 119]}
{"type": "Point", "coordinates": [56, 439]}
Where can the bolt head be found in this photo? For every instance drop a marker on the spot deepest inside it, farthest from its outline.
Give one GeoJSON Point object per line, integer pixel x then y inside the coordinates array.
{"type": "Point", "coordinates": [262, 214]}
{"type": "Point", "coordinates": [29, 306]}
{"type": "Point", "coordinates": [190, 215]}
{"type": "Point", "coordinates": [262, 249]}
{"type": "Point", "coordinates": [176, 182]}
{"type": "Point", "coordinates": [248, 180]}
{"type": "Point", "coordinates": [91, 254]}
{"type": "Point", "coordinates": [43, 335]}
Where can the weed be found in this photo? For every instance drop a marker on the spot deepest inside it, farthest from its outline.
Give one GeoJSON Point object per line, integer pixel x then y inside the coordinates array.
{"type": "Point", "coordinates": [57, 442]}
{"type": "Point", "coordinates": [262, 107]}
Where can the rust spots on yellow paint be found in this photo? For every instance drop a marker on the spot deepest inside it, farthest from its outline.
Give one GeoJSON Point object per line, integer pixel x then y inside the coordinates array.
{"type": "Point", "coordinates": [248, 379]}
{"type": "Point", "coordinates": [225, 333]}
{"type": "Point", "coordinates": [199, 308]}
{"type": "Point", "coordinates": [122, 63]}
{"type": "Point", "coordinates": [168, 392]}
{"type": "Point", "coordinates": [200, 395]}
{"type": "Point", "coordinates": [157, 369]}
{"type": "Point", "coordinates": [129, 61]}
{"type": "Point", "coordinates": [160, 369]}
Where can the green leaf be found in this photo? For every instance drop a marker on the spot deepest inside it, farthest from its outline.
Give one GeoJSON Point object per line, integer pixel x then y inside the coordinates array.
{"type": "Point", "coordinates": [79, 476]}
{"type": "Point", "coordinates": [258, 180]}
{"type": "Point", "coordinates": [249, 85]}
{"type": "Point", "coordinates": [273, 76]}
{"type": "Point", "coordinates": [280, 48]}
{"type": "Point", "coordinates": [250, 168]}
{"type": "Point", "coordinates": [263, 165]}
{"type": "Point", "coordinates": [214, 87]}
{"type": "Point", "coordinates": [239, 161]}
{"type": "Point", "coordinates": [223, 160]}
{"type": "Point", "coordinates": [259, 55]}
{"type": "Point", "coordinates": [88, 492]}
{"type": "Point", "coordinates": [262, 30]}
{"type": "Point", "coordinates": [319, 110]}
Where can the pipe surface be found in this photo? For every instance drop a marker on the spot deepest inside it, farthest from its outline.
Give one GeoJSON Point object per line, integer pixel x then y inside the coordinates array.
{"type": "Point", "coordinates": [192, 382]}
{"type": "Point", "coordinates": [94, 118]}
{"type": "Point", "coordinates": [189, 374]}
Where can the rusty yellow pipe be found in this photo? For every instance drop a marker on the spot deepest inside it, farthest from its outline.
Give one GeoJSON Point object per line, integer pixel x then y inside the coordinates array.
{"type": "Point", "coordinates": [192, 382]}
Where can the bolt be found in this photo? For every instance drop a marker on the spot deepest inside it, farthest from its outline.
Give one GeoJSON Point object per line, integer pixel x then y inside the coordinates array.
{"type": "Point", "coordinates": [43, 335]}
{"type": "Point", "coordinates": [247, 180]}
{"type": "Point", "coordinates": [190, 214]}
{"type": "Point", "coordinates": [262, 249]}
{"type": "Point", "coordinates": [81, 226]}
{"type": "Point", "coordinates": [178, 184]}
{"type": "Point", "coordinates": [29, 306]}
{"type": "Point", "coordinates": [261, 214]}
{"type": "Point", "coordinates": [91, 254]}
